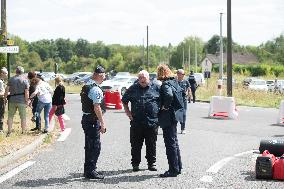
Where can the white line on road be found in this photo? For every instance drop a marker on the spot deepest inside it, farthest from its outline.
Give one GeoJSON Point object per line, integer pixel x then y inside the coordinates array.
{"type": "Point", "coordinates": [206, 179]}
{"type": "Point", "coordinates": [217, 166]}
{"type": "Point", "coordinates": [64, 135]}
{"type": "Point", "coordinates": [16, 171]}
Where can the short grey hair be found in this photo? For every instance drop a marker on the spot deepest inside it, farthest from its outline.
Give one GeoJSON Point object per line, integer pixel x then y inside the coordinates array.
{"type": "Point", "coordinates": [180, 71]}
{"type": "Point", "coordinates": [143, 73]}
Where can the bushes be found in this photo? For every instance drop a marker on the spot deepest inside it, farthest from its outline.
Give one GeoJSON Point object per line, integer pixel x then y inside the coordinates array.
{"type": "Point", "coordinates": [255, 70]}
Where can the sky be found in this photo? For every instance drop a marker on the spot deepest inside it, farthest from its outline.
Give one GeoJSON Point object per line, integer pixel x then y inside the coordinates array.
{"type": "Point", "coordinates": [124, 21]}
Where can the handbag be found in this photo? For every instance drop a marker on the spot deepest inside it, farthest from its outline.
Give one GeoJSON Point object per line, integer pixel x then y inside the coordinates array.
{"type": "Point", "coordinates": [59, 110]}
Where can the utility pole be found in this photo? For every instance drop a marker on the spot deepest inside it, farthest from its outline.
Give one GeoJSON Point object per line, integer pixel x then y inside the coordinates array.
{"type": "Point", "coordinates": [188, 58]}
{"type": "Point", "coordinates": [147, 50]}
{"type": "Point", "coordinates": [4, 32]}
{"type": "Point", "coordinates": [229, 50]}
{"type": "Point", "coordinates": [221, 50]}
{"type": "Point", "coordinates": [143, 56]}
{"type": "Point", "coordinates": [183, 56]}
{"type": "Point", "coordinates": [195, 55]}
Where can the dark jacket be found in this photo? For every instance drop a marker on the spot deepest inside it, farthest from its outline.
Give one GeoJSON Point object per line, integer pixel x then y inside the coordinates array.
{"type": "Point", "coordinates": [192, 81]}
{"type": "Point", "coordinates": [145, 104]}
{"type": "Point", "coordinates": [169, 116]}
{"type": "Point", "coordinates": [59, 96]}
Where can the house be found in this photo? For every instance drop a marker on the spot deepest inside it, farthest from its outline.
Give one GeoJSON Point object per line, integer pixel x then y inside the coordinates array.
{"type": "Point", "coordinates": [237, 58]}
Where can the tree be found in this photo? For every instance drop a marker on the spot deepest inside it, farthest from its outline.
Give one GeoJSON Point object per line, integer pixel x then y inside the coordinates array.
{"type": "Point", "coordinates": [82, 48]}
{"type": "Point", "coordinates": [64, 49]}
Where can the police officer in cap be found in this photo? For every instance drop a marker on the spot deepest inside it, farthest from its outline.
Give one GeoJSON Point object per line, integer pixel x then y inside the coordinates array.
{"type": "Point", "coordinates": [193, 85]}
{"type": "Point", "coordinates": [93, 124]}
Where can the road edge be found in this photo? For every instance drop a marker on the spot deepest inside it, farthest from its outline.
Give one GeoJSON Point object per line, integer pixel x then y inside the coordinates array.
{"type": "Point", "coordinates": [14, 156]}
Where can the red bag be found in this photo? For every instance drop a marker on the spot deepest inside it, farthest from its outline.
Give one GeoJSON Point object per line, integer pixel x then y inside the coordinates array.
{"type": "Point", "coordinates": [278, 169]}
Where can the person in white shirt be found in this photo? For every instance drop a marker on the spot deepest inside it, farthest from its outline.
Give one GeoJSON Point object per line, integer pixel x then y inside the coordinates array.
{"type": "Point", "coordinates": [3, 75]}
{"type": "Point", "coordinates": [44, 93]}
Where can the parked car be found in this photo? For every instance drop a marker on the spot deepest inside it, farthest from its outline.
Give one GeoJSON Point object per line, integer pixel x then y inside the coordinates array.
{"type": "Point", "coordinates": [77, 75]}
{"type": "Point", "coordinates": [199, 78]}
{"type": "Point", "coordinates": [83, 80]}
{"type": "Point", "coordinates": [270, 85]}
{"type": "Point", "coordinates": [118, 74]}
{"type": "Point", "coordinates": [247, 81]}
{"type": "Point", "coordinates": [280, 84]}
{"type": "Point", "coordinates": [120, 84]}
{"type": "Point", "coordinates": [258, 85]}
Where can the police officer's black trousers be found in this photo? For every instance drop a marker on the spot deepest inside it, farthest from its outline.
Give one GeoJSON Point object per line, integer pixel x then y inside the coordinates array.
{"type": "Point", "coordinates": [137, 135]}
{"type": "Point", "coordinates": [193, 94]}
{"type": "Point", "coordinates": [182, 124]}
{"type": "Point", "coordinates": [172, 148]}
{"type": "Point", "coordinates": [2, 111]}
{"type": "Point", "coordinates": [92, 143]}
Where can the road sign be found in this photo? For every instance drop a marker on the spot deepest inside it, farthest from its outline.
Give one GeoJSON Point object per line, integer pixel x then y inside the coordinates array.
{"type": "Point", "coordinates": [9, 49]}
{"type": "Point", "coordinates": [10, 42]}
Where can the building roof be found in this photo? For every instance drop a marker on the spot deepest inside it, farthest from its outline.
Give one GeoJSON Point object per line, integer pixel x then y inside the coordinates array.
{"type": "Point", "coordinates": [237, 58]}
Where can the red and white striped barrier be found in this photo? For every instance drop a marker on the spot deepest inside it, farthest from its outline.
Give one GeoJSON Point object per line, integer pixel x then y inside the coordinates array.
{"type": "Point", "coordinates": [222, 107]}
{"type": "Point", "coordinates": [280, 119]}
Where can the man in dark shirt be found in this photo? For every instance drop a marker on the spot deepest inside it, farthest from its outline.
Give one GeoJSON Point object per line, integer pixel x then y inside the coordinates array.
{"type": "Point", "coordinates": [144, 98]}
{"type": "Point", "coordinates": [193, 85]}
{"type": "Point", "coordinates": [184, 84]}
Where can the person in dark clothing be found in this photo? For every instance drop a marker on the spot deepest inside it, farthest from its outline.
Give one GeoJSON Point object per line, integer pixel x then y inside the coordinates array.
{"type": "Point", "coordinates": [168, 120]}
{"type": "Point", "coordinates": [93, 124]}
{"type": "Point", "coordinates": [144, 98]}
{"type": "Point", "coordinates": [3, 75]}
{"type": "Point", "coordinates": [193, 86]}
{"type": "Point", "coordinates": [58, 102]}
{"type": "Point", "coordinates": [184, 84]}
{"type": "Point", "coordinates": [34, 100]}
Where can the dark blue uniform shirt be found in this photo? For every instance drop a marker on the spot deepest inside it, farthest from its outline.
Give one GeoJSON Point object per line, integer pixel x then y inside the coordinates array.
{"type": "Point", "coordinates": [184, 84]}
{"type": "Point", "coordinates": [144, 104]}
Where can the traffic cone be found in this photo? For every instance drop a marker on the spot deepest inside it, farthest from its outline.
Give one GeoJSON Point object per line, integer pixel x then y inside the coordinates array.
{"type": "Point", "coordinates": [118, 103]}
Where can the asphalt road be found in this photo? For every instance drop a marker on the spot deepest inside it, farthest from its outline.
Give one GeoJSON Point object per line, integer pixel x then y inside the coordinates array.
{"type": "Point", "coordinates": [215, 153]}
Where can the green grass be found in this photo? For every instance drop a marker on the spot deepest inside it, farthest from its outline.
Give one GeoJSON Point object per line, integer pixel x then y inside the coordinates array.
{"type": "Point", "coordinates": [242, 95]}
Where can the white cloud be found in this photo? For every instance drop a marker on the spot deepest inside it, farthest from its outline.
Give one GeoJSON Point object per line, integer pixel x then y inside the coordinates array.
{"type": "Point", "coordinates": [124, 21]}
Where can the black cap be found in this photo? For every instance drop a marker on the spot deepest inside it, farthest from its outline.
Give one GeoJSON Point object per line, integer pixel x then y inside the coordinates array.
{"type": "Point", "coordinates": [99, 69]}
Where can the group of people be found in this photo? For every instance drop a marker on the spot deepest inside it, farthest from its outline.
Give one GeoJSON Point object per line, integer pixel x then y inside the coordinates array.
{"type": "Point", "coordinates": [22, 92]}
{"type": "Point", "coordinates": [152, 106]}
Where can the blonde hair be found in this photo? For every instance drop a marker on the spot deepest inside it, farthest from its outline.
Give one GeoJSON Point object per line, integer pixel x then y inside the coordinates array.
{"type": "Point", "coordinates": [164, 72]}
{"type": "Point", "coordinates": [58, 80]}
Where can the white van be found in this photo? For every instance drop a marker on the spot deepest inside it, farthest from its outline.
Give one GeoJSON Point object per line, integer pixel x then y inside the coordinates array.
{"type": "Point", "coordinates": [199, 78]}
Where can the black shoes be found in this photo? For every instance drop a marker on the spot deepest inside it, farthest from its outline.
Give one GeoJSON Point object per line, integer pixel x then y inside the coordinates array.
{"type": "Point", "coordinates": [35, 129]}
{"type": "Point", "coordinates": [94, 175]}
{"type": "Point", "coordinates": [152, 168]}
{"type": "Point", "coordinates": [135, 168]}
{"type": "Point", "coordinates": [168, 174]}
{"type": "Point", "coordinates": [44, 131]}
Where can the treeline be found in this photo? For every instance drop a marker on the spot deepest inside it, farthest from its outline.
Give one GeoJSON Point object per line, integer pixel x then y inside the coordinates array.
{"type": "Point", "coordinates": [82, 55]}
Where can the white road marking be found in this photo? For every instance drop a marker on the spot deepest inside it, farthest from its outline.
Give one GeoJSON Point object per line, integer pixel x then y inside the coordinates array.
{"type": "Point", "coordinates": [15, 171]}
{"type": "Point", "coordinates": [64, 135]}
{"type": "Point", "coordinates": [217, 166]}
{"type": "Point", "coordinates": [206, 179]}
{"type": "Point", "coordinates": [244, 153]}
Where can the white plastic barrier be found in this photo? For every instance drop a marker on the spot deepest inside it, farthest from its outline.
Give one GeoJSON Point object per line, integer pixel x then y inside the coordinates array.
{"type": "Point", "coordinates": [221, 106]}
{"type": "Point", "coordinates": [280, 119]}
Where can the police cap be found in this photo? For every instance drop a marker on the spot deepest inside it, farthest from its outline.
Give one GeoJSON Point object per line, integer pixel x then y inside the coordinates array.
{"type": "Point", "coordinates": [99, 69]}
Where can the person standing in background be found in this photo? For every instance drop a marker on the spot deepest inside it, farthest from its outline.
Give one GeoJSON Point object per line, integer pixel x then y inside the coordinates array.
{"type": "Point", "coordinates": [193, 85]}
{"type": "Point", "coordinates": [185, 85]}
{"type": "Point", "coordinates": [3, 75]}
{"type": "Point", "coordinates": [58, 102]}
{"type": "Point", "coordinates": [17, 94]}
